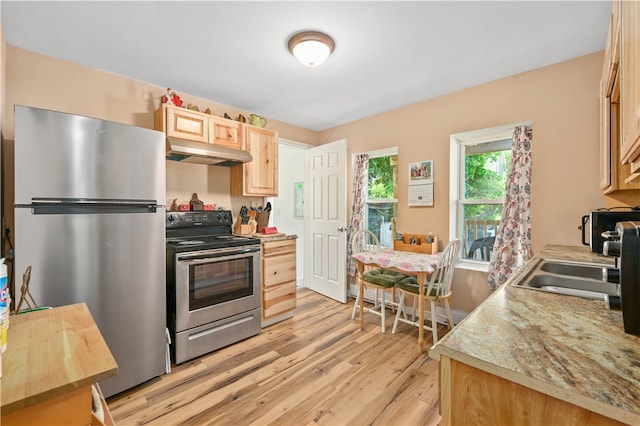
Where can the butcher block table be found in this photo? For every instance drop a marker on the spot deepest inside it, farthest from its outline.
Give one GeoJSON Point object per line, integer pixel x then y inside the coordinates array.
{"type": "Point", "coordinates": [53, 357]}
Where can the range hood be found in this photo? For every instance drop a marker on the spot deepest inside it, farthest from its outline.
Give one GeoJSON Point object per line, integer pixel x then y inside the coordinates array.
{"type": "Point", "coordinates": [204, 153]}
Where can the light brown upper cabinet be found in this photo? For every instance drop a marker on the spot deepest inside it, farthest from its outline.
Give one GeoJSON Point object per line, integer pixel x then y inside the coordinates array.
{"type": "Point", "coordinates": [614, 174]}
{"type": "Point", "coordinates": [182, 123]}
{"type": "Point", "coordinates": [198, 127]}
{"type": "Point", "coordinates": [259, 178]}
{"type": "Point", "coordinates": [226, 132]}
{"type": "Point", "coordinates": [630, 86]}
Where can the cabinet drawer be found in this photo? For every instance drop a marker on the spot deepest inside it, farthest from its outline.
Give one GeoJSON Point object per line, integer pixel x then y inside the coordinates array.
{"type": "Point", "coordinates": [279, 269]}
{"type": "Point", "coordinates": [272, 248]}
{"type": "Point", "coordinates": [182, 123]}
{"type": "Point", "coordinates": [279, 299]}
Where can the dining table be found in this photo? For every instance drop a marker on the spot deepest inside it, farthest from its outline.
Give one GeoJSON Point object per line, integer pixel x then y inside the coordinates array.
{"type": "Point", "coordinates": [409, 263]}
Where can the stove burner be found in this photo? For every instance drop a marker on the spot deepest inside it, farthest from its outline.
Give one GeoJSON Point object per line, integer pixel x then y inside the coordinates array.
{"type": "Point", "coordinates": [183, 242]}
{"type": "Point", "coordinates": [190, 243]}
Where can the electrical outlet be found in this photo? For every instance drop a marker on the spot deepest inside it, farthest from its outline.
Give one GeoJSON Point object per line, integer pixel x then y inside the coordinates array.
{"type": "Point", "coordinates": [255, 204]}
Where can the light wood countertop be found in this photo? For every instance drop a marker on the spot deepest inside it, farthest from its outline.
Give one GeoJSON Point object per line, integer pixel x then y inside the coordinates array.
{"type": "Point", "coordinates": [50, 353]}
{"type": "Point", "coordinates": [567, 347]}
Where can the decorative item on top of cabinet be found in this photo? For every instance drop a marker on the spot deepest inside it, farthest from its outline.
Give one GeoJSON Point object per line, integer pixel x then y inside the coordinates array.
{"type": "Point", "coordinates": [260, 176]}
{"type": "Point", "coordinates": [256, 120]}
{"type": "Point", "coordinates": [278, 280]}
{"type": "Point", "coordinates": [630, 85]}
{"type": "Point", "coordinates": [171, 98]}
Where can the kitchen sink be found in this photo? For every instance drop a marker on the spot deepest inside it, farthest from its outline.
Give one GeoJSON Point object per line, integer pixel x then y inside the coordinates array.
{"type": "Point", "coordinates": [575, 269]}
{"type": "Point", "coordinates": [570, 278]}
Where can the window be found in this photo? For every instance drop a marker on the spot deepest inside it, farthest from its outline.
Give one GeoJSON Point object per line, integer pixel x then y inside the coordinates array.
{"type": "Point", "coordinates": [381, 201]}
{"type": "Point", "coordinates": [479, 166]}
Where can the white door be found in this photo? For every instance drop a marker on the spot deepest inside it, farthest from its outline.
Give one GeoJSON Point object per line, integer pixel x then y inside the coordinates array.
{"type": "Point", "coordinates": [326, 246]}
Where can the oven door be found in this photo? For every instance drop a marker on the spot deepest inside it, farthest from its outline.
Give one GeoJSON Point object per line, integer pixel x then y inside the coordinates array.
{"type": "Point", "coordinates": [216, 284]}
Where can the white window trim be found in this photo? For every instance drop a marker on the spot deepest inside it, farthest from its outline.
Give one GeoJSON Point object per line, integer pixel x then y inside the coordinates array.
{"type": "Point", "coordinates": [456, 164]}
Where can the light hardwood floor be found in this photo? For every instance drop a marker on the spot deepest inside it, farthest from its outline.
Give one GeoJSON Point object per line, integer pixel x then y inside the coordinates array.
{"type": "Point", "coordinates": [317, 368]}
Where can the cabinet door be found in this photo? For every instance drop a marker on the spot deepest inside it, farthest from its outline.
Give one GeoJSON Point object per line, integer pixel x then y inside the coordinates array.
{"type": "Point", "coordinates": [259, 177]}
{"type": "Point", "coordinates": [182, 123]}
{"type": "Point", "coordinates": [226, 132]}
{"type": "Point", "coordinates": [630, 87]}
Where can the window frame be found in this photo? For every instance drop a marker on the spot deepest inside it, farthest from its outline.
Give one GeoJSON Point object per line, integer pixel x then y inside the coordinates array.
{"type": "Point", "coordinates": [457, 142]}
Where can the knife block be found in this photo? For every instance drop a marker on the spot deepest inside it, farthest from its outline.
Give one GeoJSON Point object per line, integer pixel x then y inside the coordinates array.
{"type": "Point", "coordinates": [241, 229]}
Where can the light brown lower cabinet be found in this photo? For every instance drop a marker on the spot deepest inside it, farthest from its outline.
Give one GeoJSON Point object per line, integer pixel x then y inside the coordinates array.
{"type": "Point", "coordinates": [278, 280]}
{"type": "Point", "coordinates": [469, 396]}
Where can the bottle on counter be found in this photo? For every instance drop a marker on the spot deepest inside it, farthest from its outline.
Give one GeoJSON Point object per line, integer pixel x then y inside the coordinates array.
{"type": "Point", "coordinates": [4, 305]}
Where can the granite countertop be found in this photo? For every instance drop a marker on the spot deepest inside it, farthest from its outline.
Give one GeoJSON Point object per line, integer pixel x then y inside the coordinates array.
{"type": "Point", "coordinates": [275, 237]}
{"type": "Point", "coordinates": [568, 347]}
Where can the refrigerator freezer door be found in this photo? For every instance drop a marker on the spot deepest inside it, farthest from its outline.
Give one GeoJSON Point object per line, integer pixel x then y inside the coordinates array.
{"type": "Point", "coordinates": [115, 263]}
{"type": "Point", "coordinates": [60, 155]}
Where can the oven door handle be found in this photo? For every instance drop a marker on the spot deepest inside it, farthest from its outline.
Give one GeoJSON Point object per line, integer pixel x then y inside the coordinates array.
{"type": "Point", "coordinates": [195, 258]}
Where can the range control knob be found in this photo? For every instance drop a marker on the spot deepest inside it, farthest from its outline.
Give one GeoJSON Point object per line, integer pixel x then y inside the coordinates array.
{"type": "Point", "coordinates": [171, 218]}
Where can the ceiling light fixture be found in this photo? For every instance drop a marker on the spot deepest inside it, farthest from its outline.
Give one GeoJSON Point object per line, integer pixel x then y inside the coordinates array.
{"type": "Point", "coordinates": [311, 47]}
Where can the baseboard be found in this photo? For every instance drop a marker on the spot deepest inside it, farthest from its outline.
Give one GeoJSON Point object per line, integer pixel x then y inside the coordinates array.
{"type": "Point", "coordinates": [370, 294]}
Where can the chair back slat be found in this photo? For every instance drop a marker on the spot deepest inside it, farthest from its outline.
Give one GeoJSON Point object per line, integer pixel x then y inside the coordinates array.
{"type": "Point", "coordinates": [364, 240]}
{"type": "Point", "coordinates": [442, 277]}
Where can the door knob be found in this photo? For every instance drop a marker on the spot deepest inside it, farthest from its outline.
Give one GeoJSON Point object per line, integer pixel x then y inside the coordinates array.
{"type": "Point", "coordinates": [341, 229]}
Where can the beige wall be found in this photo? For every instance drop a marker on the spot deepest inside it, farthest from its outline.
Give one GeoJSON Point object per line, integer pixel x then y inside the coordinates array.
{"type": "Point", "coordinates": [45, 82]}
{"type": "Point", "coordinates": [562, 102]}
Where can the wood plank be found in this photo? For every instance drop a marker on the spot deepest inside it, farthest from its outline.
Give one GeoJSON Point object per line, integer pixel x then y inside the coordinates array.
{"type": "Point", "coordinates": [317, 368]}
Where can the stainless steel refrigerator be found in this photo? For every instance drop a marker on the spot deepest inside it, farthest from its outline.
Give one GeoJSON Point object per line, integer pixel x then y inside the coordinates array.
{"type": "Point", "coordinates": [89, 219]}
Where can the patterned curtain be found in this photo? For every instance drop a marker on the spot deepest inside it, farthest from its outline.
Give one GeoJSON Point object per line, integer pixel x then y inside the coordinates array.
{"type": "Point", "coordinates": [512, 247]}
{"type": "Point", "coordinates": [360, 185]}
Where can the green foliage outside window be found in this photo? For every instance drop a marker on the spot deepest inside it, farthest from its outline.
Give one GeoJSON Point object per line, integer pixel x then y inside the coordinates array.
{"type": "Point", "coordinates": [380, 187]}
{"type": "Point", "coordinates": [485, 175]}
{"type": "Point", "coordinates": [381, 178]}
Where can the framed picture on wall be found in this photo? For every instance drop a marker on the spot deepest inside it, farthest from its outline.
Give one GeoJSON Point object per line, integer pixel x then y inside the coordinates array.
{"type": "Point", "coordinates": [421, 184]}
{"type": "Point", "coordinates": [421, 173]}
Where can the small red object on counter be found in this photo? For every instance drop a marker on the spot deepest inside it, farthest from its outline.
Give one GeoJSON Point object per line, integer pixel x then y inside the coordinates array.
{"type": "Point", "coordinates": [269, 230]}
{"type": "Point", "coordinates": [184, 207]}
{"type": "Point", "coordinates": [208, 207]}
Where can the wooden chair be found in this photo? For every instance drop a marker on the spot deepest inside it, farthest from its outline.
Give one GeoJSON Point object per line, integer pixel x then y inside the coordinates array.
{"type": "Point", "coordinates": [379, 279]}
{"type": "Point", "coordinates": [438, 288]}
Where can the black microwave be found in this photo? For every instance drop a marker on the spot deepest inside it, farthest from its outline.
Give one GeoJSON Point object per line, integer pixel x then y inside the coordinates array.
{"type": "Point", "coordinates": [604, 220]}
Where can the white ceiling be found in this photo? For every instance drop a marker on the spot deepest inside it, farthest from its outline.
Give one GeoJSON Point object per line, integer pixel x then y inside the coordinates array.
{"type": "Point", "coordinates": [387, 55]}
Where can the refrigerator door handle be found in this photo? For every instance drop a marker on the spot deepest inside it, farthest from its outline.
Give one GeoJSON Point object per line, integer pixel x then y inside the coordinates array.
{"type": "Point", "coordinates": [91, 207]}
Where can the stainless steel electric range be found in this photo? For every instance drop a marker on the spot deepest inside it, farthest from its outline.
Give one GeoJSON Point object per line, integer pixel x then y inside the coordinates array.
{"type": "Point", "coordinates": [213, 283]}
